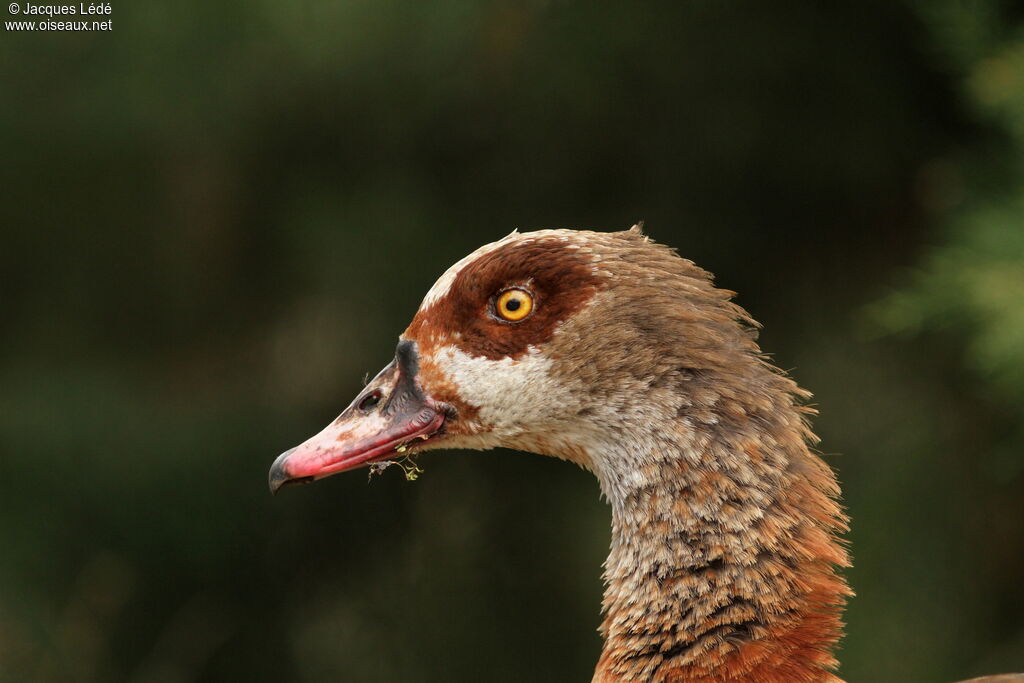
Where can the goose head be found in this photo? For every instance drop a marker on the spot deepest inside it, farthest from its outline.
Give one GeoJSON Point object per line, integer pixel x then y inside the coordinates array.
{"type": "Point", "coordinates": [559, 342]}
{"type": "Point", "coordinates": [611, 351]}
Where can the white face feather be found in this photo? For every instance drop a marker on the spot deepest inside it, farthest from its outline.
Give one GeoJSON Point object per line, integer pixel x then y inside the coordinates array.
{"type": "Point", "coordinates": [514, 396]}
{"type": "Point", "coordinates": [522, 406]}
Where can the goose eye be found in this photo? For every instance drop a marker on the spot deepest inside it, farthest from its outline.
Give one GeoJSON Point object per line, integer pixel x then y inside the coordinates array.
{"type": "Point", "coordinates": [514, 305]}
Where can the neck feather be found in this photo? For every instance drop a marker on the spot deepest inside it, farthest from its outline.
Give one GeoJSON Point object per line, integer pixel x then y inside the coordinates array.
{"type": "Point", "coordinates": [724, 553]}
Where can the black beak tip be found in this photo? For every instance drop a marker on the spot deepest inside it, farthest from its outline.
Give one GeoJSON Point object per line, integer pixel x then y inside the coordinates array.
{"type": "Point", "coordinates": [279, 476]}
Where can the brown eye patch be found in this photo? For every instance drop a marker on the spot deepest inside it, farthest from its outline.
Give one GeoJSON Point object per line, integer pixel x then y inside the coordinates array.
{"type": "Point", "coordinates": [560, 282]}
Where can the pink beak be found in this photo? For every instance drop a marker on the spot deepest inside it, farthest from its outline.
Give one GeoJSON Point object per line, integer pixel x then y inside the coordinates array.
{"type": "Point", "coordinates": [393, 410]}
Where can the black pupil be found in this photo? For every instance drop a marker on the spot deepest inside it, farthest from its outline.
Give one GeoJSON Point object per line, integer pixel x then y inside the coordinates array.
{"type": "Point", "coordinates": [513, 304]}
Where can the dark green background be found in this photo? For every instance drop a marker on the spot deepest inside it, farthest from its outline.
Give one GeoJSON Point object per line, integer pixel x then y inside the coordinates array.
{"type": "Point", "coordinates": [217, 217]}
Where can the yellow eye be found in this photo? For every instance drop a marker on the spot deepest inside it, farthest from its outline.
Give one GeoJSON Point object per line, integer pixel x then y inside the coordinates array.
{"type": "Point", "coordinates": [514, 304]}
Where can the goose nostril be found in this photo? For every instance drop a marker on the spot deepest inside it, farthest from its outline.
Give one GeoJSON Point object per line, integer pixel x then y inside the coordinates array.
{"type": "Point", "coordinates": [370, 402]}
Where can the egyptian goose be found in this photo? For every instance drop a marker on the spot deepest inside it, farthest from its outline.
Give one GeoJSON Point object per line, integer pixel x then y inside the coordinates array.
{"type": "Point", "coordinates": [611, 351]}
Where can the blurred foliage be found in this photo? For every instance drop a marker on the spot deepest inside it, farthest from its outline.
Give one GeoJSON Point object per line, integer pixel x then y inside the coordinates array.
{"type": "Point", "coordinates": [973, 284]}
{"type": "Point", "coordinates": [973, 281]}
{"type": "Point", "coordinates": [219, 216]}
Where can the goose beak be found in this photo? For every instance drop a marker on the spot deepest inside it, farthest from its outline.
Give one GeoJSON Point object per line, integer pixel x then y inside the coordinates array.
{"type": "Point", "coordinates": [391, 412]}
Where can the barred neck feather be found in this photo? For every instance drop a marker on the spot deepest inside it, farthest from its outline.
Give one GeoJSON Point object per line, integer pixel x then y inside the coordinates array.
{"type": "Point", "coordinates": [723, 554]}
